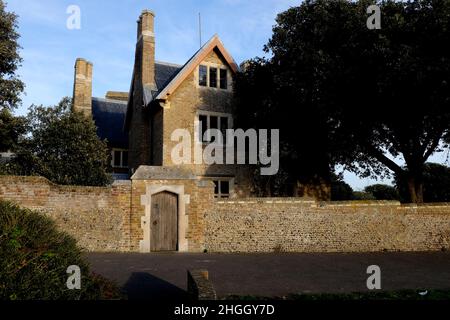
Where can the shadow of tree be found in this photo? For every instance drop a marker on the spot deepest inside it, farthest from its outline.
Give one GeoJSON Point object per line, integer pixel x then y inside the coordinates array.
{"type": "Point", "coordinates": [144, 286]}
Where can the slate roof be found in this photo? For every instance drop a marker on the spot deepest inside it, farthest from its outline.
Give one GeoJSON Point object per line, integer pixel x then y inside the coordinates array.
{"type": "Point", "coordinates": [164, 73]}
{"type": "Point", "coordinates": [109, 117]}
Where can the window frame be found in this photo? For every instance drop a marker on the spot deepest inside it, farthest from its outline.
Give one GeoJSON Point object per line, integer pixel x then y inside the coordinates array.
{"type": "Point", "coordinates": [225, 78]}
{"type": "Point", "coordinates": [208, 115]}
{"type": "Point", "coordinates": [211, 78]}
{"type": "Point", "coordinates": [218, 80]}
{"type": "Point", "coordinates": [206, 78]}
{"type": "Point", "coordinates": [221, 195]}
{"type": "Point", "coordinates": [113, 158]}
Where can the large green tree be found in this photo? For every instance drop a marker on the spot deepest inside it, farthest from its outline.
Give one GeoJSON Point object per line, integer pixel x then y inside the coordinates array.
{"type": "Point", "coordinates": [436, 184]}
{"type": "Point", "coordinates": [12, 130]}
{"type": "Point", "coordinates": [62, 146]}
{"type": "Point", "coordinates": [10, 85]}
{"type": "Point", "coordinates": [341, 93]}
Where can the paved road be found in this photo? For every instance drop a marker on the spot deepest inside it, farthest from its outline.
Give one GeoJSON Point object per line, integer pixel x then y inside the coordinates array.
{"type": "Point", "coordinates": [163, 276]}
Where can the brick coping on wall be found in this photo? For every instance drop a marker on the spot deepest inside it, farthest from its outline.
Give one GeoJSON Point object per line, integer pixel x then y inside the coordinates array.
{"type": "Point", "coordinates": [43, 180]}
{"type": "Point", "coordinates": [351, 203]}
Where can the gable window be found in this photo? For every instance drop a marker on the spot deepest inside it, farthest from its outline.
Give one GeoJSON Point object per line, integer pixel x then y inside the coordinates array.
{"type": "Point", "coordinates": [208, 121]}
{"type": "Point", "coordinates": [223, 79]}
{"type": "Point", "coordinates": [221, 188]}
{"type": "Point", "coordinates": [203, 74]}
{"type": "Point", "coordinates": [213, 77]}
{"type": "Point", "coordinates": [119, 158]}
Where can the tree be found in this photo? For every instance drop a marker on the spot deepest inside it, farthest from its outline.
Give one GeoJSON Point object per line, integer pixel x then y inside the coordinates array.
{"type": "Point", "coordinates": [10, 85]}
{"type": "Point", "coordinates": [62, 146]}
{"type": "Point", "coordinates": [436, 184]}
{"type": "Point", "coordinates": [382, 192]}
{"type": "Point", "coordinates": [342, 93]}
{"type": "Point", "coordinates": [12, 130]}
{"type": "Point", "coordinates": [340, 190]}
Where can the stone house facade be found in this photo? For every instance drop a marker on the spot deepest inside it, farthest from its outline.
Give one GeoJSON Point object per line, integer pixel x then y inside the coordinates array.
{"type": "Point", "coordinates": [165, 97]}
{"type": "Point", "coordinates": [169, 199]}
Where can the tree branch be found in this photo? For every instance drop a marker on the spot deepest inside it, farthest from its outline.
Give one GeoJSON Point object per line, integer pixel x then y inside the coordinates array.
{"type": "Point", "coordinates": [432, 147]}
{"type": "Point", "coordinates": [379, 155]}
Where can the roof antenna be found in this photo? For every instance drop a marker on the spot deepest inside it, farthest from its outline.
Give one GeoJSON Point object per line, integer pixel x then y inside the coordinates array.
{"type": "Point", "coordinates": [200, 27]}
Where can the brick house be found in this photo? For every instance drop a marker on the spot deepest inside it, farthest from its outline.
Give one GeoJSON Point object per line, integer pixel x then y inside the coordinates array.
{"type": "Point", "coordinates": [164, 97]}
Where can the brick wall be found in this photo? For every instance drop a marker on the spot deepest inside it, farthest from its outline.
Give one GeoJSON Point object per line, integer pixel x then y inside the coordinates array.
{"type": "Point", "coordinates": [110, 219]}
{"type": "Point", "coordinates": [97, 217]}
{"type": "Point", "coordinates": [289, 224]}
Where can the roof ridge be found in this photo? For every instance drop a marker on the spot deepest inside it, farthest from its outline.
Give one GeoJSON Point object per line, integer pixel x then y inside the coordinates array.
{"type": "Point", "coordinates": [170, 64]}
{"type": "Point", "coordinates": [109, 100]}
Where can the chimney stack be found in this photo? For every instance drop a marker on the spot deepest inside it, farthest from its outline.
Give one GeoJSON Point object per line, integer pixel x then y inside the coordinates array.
{"type": "Point", "coordinates": [145, 53]}
{"type": "Point", "coordinates": [82, 89]}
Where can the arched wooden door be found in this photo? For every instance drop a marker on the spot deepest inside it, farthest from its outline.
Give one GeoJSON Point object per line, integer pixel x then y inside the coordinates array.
{"type": "Point", "coordinates": [164, 222]}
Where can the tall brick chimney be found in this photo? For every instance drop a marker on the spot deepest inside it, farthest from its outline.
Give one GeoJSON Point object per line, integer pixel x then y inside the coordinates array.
{"type": "Point", "coordinates": [82, 88]}
{"type": "Point", "coordinates": [145, 49]}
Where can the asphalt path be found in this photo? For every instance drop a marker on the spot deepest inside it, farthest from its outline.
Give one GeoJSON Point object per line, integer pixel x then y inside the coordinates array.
{"type": "Point", "coordinates": [164, 276]}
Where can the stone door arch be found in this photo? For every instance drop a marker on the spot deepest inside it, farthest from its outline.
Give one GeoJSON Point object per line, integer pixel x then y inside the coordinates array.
{"type": "Point", "coordinates": [154, 195]}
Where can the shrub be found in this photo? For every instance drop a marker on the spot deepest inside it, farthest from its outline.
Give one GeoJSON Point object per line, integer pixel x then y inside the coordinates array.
{"type": "Point", "coordinates": [34, 257]}
{"type": "Point", "coordinates": [360, 195]}
{"type": "Point", "coordinates": [383, 192]}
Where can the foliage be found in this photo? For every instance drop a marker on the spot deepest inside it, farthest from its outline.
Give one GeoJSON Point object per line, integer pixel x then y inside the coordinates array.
{"type": "Point", "coordinates": [11, 130]}
{"type": "Point", "coordinates": [436, 184]}
{"type": "Point", "coordinates": [382, 192]}
{"type": "Point", "coordinates": [62, 146]}
{"type": "Point", "coordinates": [345, 94]}
{"type": "Point", "coordinates": [10, 85]}
{"type": "Point", "coordinates": [34, 258]}
{"type": "Point", "coordinates": [362, 195]}
{"type": "Point", "coordinates": [340, 190]}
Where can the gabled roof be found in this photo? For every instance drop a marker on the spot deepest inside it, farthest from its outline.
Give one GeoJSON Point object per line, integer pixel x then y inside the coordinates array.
{"type": "Point", "coordinates": [168, 77]}
{"type": "Point", "coordinates": [109, 116]}
{"type": "Point", "coordinates": [197, 58]}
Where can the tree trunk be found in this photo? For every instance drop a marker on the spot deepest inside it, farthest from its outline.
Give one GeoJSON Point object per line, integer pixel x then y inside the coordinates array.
{"type": "Point", "coordinates": [415, 188]}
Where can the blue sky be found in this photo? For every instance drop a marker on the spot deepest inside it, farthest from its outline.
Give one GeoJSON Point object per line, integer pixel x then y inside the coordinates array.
{"type": "Point", "coordinates": [108, 33]}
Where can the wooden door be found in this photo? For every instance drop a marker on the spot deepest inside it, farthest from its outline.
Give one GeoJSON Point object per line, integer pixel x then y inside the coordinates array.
{"type": "Point", "coordinates": [164, 222]}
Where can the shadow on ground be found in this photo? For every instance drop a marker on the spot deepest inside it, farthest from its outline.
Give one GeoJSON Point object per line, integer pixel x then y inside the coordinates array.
{"type": "Point", "coordinates": [144, 286]}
